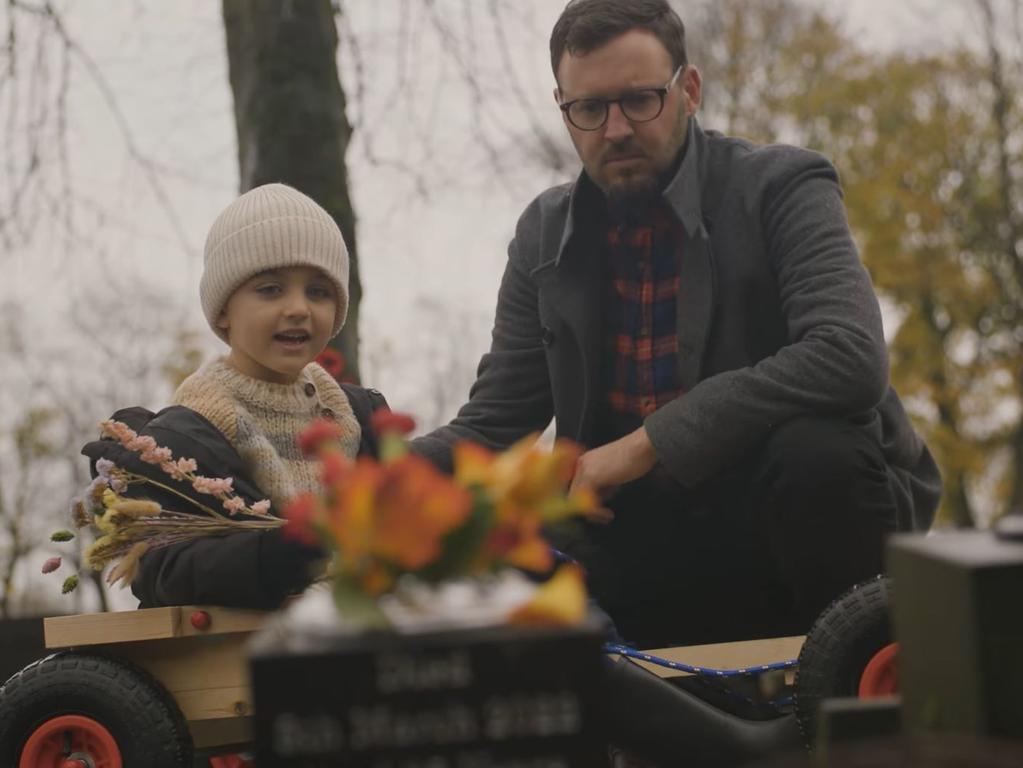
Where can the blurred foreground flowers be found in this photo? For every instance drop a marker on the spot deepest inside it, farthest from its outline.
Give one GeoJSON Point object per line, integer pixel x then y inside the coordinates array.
{"type": "Point", "coordinates": [396, 526]}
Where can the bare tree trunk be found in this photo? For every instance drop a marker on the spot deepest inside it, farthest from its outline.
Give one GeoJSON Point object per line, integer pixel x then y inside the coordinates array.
{"type": "Point", "coordinates": [290, 116]}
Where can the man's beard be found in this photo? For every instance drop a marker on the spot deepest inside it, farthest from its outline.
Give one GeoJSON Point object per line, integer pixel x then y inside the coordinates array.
{"type": "Point", "coordinates": [628, 201]}
{"type": "Point", "coordinates": [631, 197]}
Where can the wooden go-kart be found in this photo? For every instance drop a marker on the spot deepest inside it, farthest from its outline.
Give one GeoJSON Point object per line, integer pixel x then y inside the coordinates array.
{"type": "Point", "coordinates": [161, 687]}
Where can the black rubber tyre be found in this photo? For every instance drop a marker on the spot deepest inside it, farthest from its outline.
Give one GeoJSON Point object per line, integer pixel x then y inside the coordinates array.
{"type": "Point", "coordinates": [838, 647]}
{"type": "Point", "coordinates": [141, 716]}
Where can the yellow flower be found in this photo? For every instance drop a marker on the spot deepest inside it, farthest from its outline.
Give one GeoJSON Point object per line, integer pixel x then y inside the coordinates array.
{"type": "Point", "coordinates": [128, 566]}
{"type": "Point", "coordinates": [560, 600]}
{"type": "Point", "coordinates": [135, 508]}
{"type": "Point", "coordinates": [110, 498]}
{"type": "Point", "coordinates": [100, 552]}
{"type": "Point", "coordinates": [526, 476]}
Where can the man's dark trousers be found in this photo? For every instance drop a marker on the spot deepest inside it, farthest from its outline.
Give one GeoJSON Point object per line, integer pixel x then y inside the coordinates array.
{"type": "Point", "coordinates": [759, 551]}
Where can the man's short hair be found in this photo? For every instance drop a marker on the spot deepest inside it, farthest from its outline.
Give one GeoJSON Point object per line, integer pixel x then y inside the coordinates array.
{"type": "Point", "coordinates": [586, 25]}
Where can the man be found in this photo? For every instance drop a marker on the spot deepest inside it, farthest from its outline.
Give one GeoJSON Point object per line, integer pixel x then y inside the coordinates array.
{"type": "Point", "coordinates": [693, 310]}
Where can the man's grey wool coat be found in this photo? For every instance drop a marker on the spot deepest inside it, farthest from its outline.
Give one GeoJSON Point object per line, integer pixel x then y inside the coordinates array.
{"type": "Point", "coordinates": [777, 319]}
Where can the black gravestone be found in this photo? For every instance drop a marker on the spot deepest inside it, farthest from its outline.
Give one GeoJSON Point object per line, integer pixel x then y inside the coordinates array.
{"type": "Point", "coordinates": [498, 697]}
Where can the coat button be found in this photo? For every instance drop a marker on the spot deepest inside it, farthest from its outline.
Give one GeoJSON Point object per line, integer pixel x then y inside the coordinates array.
{"type": "Point", "coordinates": [327, 414]}
{"type": "Point", "coordinates": [310, 388]}
{"type": "Point", "coordinates": [546, 336]}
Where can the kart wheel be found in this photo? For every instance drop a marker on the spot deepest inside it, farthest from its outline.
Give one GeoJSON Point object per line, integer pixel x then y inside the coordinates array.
{"type": "Point", "coordinates": [848, 652]}
{"type": "Point", "coordinates": [76, 710]}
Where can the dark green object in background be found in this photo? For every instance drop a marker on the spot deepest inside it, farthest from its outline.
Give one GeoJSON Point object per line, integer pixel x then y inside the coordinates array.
{"type": "Point", "coordinates": [959, 621]}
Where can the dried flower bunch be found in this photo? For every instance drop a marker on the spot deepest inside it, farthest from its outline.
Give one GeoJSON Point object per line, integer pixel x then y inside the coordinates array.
{"type": "Point", "coordinates": [129, 527]}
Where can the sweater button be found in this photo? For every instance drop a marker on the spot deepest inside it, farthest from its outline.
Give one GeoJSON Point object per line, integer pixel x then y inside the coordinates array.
{"type": "Point", "coordinates": [310, 388]}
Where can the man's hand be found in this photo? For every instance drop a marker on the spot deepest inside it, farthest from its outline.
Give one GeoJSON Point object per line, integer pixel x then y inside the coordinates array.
{"type": "Point", "coordinates": [605, 468]}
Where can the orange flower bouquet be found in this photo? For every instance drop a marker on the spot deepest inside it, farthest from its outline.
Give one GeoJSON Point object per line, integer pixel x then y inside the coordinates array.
{"type": "Point", "coordinates": [413, 547]}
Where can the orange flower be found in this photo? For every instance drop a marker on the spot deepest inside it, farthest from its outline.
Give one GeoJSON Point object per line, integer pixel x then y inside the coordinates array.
{"type": "Point", "coordinates": [526, 486]}
{"type": "Point", "coordinates": [397, 513]}
{"type": "Point", "coordinates": [334, 467]}
{"type": "Point", "coordinates": [526, 475]}
{"type": "Point", "coordinates": [318, 435]}
{"type": "Point", "coordinates": [350, 516]}
{"type": "Point", "coordinates": [385, 421]}
{"type": "Point", "coordinates": [417, 508]}
{"type": "Point", "coordinates": [516, 539]}
{"type": "Point", "coordinates": [301, 513]}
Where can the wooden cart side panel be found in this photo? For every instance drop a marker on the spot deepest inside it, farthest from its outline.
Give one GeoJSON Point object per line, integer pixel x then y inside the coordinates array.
{"type": "Point", "coordinates": [207, 676]}
{"type": "Point", "coordinates": [114, 627]}
{"type": "Point", "coordinates": [145, 624]}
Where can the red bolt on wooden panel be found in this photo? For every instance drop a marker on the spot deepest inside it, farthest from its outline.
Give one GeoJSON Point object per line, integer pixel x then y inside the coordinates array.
{"type": "Point", "coordinates": [200, 620]}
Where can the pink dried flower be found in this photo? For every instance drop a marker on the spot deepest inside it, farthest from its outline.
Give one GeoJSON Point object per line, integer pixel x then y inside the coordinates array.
{"type": "Point", "coordinates": [184, 467]}
{"type": "Point", "coordinates": [179, 469]}
{"type": "Point", "coordinates": [157, 455]}
{"type": "Point", "coordinates": [214, 486]}
{"type": "Point", "coordinates": [120, 431]}
{"type": "Point", "coordinates": [234, 505]}
{"type": "Point", "coordinates": [104, 467]}
{"type": "Point", "coordinates": [261, 507]}
{"type": "Point", "coordinates": [141, 443]}
{"type": "Point", "coordinates": [51, 565]}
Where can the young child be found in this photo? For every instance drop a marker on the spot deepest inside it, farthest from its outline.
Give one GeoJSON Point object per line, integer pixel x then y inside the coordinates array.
{"type": "Point", "coordinates": [275, 288]}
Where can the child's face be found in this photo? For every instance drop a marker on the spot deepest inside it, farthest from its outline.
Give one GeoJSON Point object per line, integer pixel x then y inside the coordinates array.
{"type": "Point", "coordinates": [278, 321]}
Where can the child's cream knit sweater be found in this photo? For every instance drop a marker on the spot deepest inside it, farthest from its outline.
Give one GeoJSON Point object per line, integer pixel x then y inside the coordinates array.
{"type": "Point", "coordinates": [262, 421]}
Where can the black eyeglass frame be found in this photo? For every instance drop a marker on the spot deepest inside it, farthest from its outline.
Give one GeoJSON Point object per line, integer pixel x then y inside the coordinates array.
{"type": "Point", "coordinates": [662, 92]}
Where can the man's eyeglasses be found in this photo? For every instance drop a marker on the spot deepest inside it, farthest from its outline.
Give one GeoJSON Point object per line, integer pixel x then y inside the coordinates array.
{"type": "Point", "coordinates": [639, 106]}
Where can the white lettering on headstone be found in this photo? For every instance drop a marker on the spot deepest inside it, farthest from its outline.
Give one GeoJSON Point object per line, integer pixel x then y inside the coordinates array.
{"type": "Point", "coordinates": [297, 735]}
{"type": "Point", "coordinates": [407, 672]}
{"type": "Point", "coordinates": [379, 726]}
{"type": "Point", "coordinates": [521, 715]}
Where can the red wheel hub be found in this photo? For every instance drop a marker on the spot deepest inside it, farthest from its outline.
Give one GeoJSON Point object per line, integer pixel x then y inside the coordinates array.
{"type": "Point", "coordinates": [881, 675]}
{"type": "Point", "coordinates": [70, 741]}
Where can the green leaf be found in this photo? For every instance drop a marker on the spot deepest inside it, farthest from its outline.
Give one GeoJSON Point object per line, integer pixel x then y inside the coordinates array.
{"type": "Point", "coordinates": [62, 536]}
{"type": "Point", "coordinates": [357, 608]}
{"type": "Point", "coordinates": [70, 584]}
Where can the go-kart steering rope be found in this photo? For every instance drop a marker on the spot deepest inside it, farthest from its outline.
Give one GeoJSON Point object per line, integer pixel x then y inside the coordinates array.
{"type": "Point", "coordinates": [624, 650]}
{"type": "Point", "coordinates": [708, 673]}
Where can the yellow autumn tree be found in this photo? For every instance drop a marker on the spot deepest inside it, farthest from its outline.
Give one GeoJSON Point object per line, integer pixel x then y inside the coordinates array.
{"type": "Point", "coordinates": [930, 151]}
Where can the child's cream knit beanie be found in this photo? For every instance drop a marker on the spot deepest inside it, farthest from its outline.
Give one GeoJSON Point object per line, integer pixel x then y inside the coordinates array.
{"type": "Point", "coordinates": [270, 227]}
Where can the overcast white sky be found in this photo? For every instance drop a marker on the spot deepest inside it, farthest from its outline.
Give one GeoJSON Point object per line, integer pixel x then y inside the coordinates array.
{"type": "Point", "coordinates": [166, 65]}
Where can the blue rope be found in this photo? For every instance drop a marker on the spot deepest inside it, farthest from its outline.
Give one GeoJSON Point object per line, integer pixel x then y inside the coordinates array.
{"type": "Point", "coordinates": [624, 650]}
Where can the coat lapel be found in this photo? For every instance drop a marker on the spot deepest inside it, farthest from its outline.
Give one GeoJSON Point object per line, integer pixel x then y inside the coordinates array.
{"type": "Point", "coordinates": [574, 286]}
{"type": "Point", "coordinates": [695, 302]}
